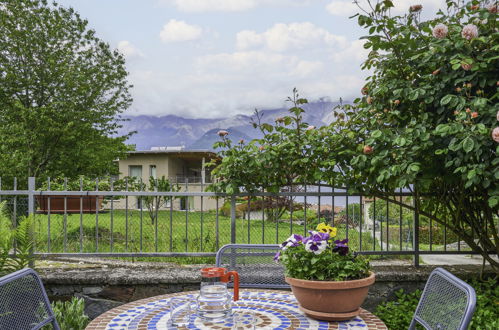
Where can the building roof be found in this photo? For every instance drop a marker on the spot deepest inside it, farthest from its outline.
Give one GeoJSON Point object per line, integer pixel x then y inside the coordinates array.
{"type": "Point", "coordinates": [184, 154]}
{"type": "Point", "coordinates": [173, 151]}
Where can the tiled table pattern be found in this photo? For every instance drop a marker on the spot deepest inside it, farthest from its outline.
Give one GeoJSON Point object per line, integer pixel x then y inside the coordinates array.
{"type": "Point", "coordinates": [273, 310]}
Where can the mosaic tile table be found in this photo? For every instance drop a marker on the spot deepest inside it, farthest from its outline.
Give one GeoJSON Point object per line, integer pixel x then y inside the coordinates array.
{"type": "Point", "coordinates": [273, 310]}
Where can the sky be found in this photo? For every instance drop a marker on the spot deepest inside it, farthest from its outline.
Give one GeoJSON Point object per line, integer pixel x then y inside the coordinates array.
{"type": "Point", "coordinates": [219, 58]}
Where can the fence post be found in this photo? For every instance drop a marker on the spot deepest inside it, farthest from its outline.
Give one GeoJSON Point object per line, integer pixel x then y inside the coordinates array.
{"type": "Point", "coordinates": [31, 195]}
{"type": "Point", "coordinates": [416, 226]}
{"type": "Point", "coordinates": [232, 219]}
{"type": "Point", "coordinates": [31, 211]}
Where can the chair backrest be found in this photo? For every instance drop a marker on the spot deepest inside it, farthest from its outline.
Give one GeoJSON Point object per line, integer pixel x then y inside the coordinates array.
{"type": "Point", "coordinates": [446, 303]}
{"type": "Point", "coordinates": [254, 263]}
{"type": "Point", "coordinates": [24, 304]}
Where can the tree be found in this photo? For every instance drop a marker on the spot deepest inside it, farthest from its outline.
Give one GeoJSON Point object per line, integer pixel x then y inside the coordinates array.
{"type": "Point", "coordinates": [427, 122]}
{"type": "Point", "coordinates": [62, 91]}
{"type": "Point", "coordinates": [154, 203]}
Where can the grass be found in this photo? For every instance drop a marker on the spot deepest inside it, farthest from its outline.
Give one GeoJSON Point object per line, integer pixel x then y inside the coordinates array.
{"type": "Point", "coordinates": [178, 231]}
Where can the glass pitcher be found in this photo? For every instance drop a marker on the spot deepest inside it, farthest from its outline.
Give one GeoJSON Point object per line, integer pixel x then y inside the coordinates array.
{"type": "Point", "coordinates": [214, 303]}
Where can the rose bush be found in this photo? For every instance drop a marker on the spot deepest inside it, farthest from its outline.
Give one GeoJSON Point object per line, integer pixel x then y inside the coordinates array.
{"type": "Point", "coordinates": [427, 121]}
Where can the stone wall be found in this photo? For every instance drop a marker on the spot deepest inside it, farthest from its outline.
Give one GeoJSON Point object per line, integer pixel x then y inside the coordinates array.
{"type": "Point", "coordinates": [106, 286]}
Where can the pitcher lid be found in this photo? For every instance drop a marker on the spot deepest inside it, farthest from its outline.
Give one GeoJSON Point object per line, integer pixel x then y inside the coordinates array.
{"type": "Point", "coordinates": [213, 272]}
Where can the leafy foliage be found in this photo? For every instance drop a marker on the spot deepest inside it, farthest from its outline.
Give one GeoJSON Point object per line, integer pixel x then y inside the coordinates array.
{"type": "Point", "coordinates": [22, 235]}
{"type": "Point", "coordinates": [426, 122]}
{"type": "Point", "coordinates": [70, 314]}
{"type": "Point", "coordinates": [62, 91]}
{"type": "Point", "coordinates": [321, 258]}
{"type": "Point", "coordinates": [397, 314]}
{"type": "Point", "coordinates": [155, 203]}
{"type": "Point", "coordinates": [327, 266]}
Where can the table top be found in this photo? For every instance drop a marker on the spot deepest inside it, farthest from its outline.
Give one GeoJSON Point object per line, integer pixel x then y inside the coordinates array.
{"type": "Point", "coordinates": [273, 310]}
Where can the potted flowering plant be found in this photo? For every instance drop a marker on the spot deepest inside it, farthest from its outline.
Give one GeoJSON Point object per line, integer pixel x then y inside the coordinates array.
{"type": "Point", "coordinates": [329, 281]}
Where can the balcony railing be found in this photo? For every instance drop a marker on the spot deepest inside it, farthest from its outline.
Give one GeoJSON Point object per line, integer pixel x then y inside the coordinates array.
{"type": "Point", "coordinates": [197, 224]}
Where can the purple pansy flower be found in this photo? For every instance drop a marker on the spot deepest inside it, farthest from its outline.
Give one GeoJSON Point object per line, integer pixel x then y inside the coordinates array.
{"type": "Point", "coordinates": [316, 236]}
{"type": "Point", "coordinates": [277, 256]}
{"type": "Point", "coordinates": [341, 246]}
{"type": "Point", "coordinates": [293, 240]}
{"type": "Point", "coordinates": [316, 242]}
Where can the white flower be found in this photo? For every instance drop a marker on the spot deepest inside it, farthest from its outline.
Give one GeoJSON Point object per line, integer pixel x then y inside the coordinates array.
{"type": "Point", "coordinates": [440, 31]}
{"type": "Point", "coordinates": [469, 32]}
{"type": "Point", "coordinates": [317, 247]}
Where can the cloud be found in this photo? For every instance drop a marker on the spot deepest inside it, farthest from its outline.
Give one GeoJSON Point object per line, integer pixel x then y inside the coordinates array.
{"type": "Point", "coordinates": [129, 50]}
{"type": "Point", "coordinates": [245, 64]}
{"type": "Point", "coordinates": [284, 37]}
{"type": "Point", "coordinates": [228, 5]}
{"type": "Point", "coordinates": [347, 7]}
{"type": "Point", "coordinates": [355, 51]}
{"type": "Point", "coordinates": [230, 83]}
{"type": "Point", "coordinates": [176, 31]}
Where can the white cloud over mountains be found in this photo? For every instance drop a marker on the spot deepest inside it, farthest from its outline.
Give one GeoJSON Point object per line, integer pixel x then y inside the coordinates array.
{"type": "Point", "coordinates": [177, 31]}
{"type": "Point", "coordinates": [261, 72]}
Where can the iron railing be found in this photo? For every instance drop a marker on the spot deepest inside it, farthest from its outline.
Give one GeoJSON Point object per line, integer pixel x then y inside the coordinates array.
{"type": "Point", "coordinates": [197, 223]}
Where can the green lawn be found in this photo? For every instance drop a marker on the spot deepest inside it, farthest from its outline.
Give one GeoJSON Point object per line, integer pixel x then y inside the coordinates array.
{"type": "Point", "coordinates": [190, 232]}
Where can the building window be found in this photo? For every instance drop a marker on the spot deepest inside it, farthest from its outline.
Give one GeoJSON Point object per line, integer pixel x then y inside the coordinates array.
{"type": "Point", "coordinates": [152, 171]}
{"type": "Point", "coordinates": [135, 171]}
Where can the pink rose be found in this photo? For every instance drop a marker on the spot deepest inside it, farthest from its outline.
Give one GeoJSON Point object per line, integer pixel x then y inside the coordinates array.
{"type": "Point", "coordinates": [415, 8]}
{"type": "Point", "coordinates": [440, 31]}
{"type": "Point", "coordinates": [466, 66]}
{"type": "Point", "coordinates": [469, 31]}
{"type": "Point", "coordinates": [367, 150]}
{"type": "Point", "coordinates": [497, 115]}
{"type": "Point", "coordinates": [310, 127]}
{"type": "Point", "coordinates": [474, 114]}
{"type": "Point", "coordinates": [222, 133]}
{"type": "Point", "coordinates": [492, 8]}
{"type": "Point", "coordinates": [495, 134]}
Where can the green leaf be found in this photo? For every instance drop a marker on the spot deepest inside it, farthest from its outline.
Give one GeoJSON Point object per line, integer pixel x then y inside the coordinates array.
{"type": "Point", "coordinates": [468, 144]}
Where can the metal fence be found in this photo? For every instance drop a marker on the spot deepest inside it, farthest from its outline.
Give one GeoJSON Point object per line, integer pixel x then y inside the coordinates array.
{"type": "Point", "coordinates": [195, 224]}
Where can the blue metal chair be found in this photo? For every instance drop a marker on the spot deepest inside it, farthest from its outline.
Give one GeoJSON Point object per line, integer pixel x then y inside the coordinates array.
{"type": "Point", "coordinates": [446, 303]}
{"type": "Point", "coordinates": [254, 263]}
{"type": "Point", "coordinates": [24, 304]}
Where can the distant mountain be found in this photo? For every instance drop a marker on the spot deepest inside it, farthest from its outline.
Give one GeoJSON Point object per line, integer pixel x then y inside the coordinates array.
{"type": "Point", "coordinates": [171, 130]}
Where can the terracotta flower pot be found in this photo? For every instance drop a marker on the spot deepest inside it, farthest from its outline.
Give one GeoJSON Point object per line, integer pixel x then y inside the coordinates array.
{"type": "Point", "coordinates": [88, 203]}
{"type": "Point", "coordinates": [331, 300]}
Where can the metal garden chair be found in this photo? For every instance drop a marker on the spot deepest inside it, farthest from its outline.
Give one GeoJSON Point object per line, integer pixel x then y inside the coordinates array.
{"type": "Point", "coordinates": [24, 304]}
{"type": "Point", "coordinates": [446, 303]}
{"type": "Point", "coordinates": [255, 265]}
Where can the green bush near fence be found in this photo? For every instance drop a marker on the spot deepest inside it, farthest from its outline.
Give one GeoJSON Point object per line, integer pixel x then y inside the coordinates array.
{"type": "Point", "coordinates": [438, 235]}
{"type": "Point", "coordinates": [397, 314]}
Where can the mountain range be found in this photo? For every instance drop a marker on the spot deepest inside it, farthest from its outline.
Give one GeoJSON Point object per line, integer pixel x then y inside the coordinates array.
{"type": "Point", "coordinates": [199, 133]}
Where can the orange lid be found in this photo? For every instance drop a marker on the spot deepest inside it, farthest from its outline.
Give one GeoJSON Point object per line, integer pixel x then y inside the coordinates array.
{"type": "Point", "coordinates": [213, 272]}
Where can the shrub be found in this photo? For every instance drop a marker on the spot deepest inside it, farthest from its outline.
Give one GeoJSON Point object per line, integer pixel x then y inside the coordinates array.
{"type": "Point", "coordinates": [397, 314]}
{"type": "Point", "coordinates": [70, 314]}
{"type": "Point", "coordinates": [437, 233]}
